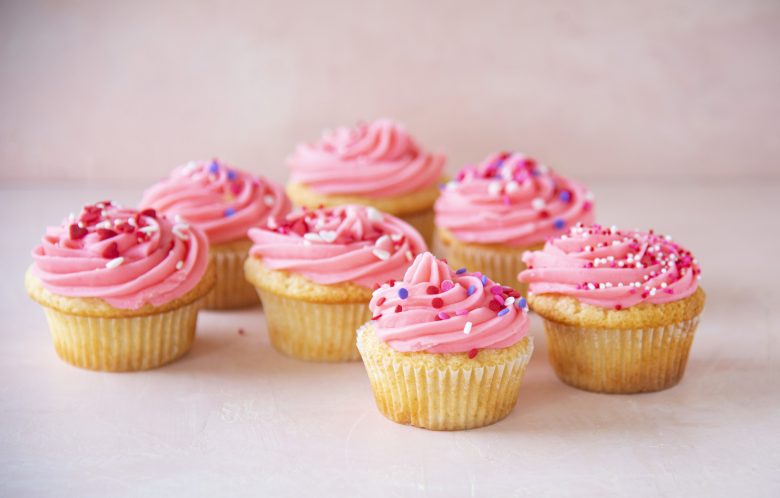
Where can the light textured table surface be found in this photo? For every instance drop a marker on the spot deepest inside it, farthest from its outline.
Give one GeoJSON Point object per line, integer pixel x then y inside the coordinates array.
{"type": "Point", "coordinates": [235, 418]}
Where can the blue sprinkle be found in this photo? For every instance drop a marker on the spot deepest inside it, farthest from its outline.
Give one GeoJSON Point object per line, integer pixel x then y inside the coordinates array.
{"type": "Point", "coordinates": [231, 175]}
{"type": "Point", "coordinates": [460, 271]}
{"type": "Point", "coordinates": [471, 290]}
{"type": "Point", "coordinates": [503, 312]}
{"type": "Point", "coordinates": [213, 167]}
{"type": "Point", "coordinates": [535, 172]}
{"type": "Point", "coordinates": [565, 196]}
{"type": "Point", "coordinates": [229, 212]}
{"type": "Point", "coordinates": [559, 223]}
{"type": "Point", "coordinates": [403, 293]}
{"type": "Point", "coordinates": [484, 279]}
{"type": "Point", "coordinates": [521, 303]}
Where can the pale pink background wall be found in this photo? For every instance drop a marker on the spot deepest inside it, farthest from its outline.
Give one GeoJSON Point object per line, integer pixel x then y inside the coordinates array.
{"type": "Point", "coordinates": [125, 90]}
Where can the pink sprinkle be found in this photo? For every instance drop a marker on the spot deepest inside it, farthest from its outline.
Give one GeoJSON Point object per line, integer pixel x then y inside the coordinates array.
{"type": "Point", "coordinates": [498, 298]}
{"type": "Point", "coordinates": [447, 285]}
{"type": "Point", "coordinates": [462, 312]}
{"type": "Point", "coordinates": [442, 315]}
{"type": "Point", "coordinates": [496, 289]}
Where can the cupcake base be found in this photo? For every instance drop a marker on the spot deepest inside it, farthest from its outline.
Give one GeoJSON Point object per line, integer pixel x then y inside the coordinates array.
{"type": "Point", "coordinates": [620, 360]}
{"type": "Point", "coordinates": [123, 344]}
{"type": "Point", "coordinates": [423, 223]}
{"type": "Point", "coordinates": [231, 290]}
{"type": "Point", "coordinates": [501, 263]}
{"type": "Point", "coordinates": [444, 391]}
{"type": "Point", "coordinates": [313, 331]}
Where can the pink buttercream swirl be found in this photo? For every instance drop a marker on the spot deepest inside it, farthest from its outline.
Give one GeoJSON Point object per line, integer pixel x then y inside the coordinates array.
{"type": "Point", "coordinates": [342, 244]}
{"type": "Point", "coordinates": [438, 310]}
{"type": "Point", "coordinates": [510, 199]}
{"type": "Point", "coordinates": [612, 268]}
{"type": "Point", "coordinates": [221, 200]}
{"type": "Point", "coordinates": [378, 159]}
{"type": "Point", "coordinates": [125, 257]}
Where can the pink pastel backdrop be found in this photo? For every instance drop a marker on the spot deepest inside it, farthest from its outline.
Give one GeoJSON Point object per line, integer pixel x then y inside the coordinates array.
{"type": "Point", "coordinates": [109, 90]}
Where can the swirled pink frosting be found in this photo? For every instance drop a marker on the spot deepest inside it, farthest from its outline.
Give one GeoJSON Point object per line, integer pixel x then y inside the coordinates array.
{"type": "Point", "coordinates": [378, 159]}
{"type": "Point", "coordinates": [438, 310]}
{"type": "Point", "coordinates": [342, 244]}
{"type": "Point", "coordinates": [125, 257]}
{"type": "Point", "coordinates": [511, 199]}
{"type": "Point", "coordinates": [221, 200]}
{"type": "Point", "coordinates": [612, 268]}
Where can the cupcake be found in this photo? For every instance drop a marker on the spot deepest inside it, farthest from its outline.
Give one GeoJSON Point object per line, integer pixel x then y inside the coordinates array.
{"type": "Point", "coordinates": [490, 214]}
{"type": "Point", "coordinates": [372, 164]}
{"type": "Point", "coordinates": [120, 288]}
{"type": "Point", "coordinates": [620, 307]}
{"type": "Point", "coordinates": [225, 203]}
{"type": "Point", "coordinates": [445, 350]}
{"type": "Point", "coordinates": [315, 272]}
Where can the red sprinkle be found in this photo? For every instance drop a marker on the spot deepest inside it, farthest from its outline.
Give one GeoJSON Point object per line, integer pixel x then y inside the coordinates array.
{"type": "Point", "coordinates": [111, 251]}
{"type": "Point", "coordinates": [76, 232]}
{"type": "Point", "coordinates": [105, 233]}
{"type": "Point", "coordinates": [432, 289]}
{"type": "Point", "coordinates": [618, 307]}
{"type": "Point", "coordinates": [473, 353]}
{"type": "Point", "coordinates": [397, 308]}
{"type": "Point", "coordinates": [380, 301]}
{"type": "Point", "coordinates": [377, 317]}
{"type": "Point", "coordinates": [151, 213]}
{"type": "Point", "coordinates": [437, 302]}
{"type": "Point", "coordinates": [493, 305]}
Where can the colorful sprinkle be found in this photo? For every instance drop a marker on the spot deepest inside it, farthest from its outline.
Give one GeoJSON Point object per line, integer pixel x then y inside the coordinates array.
{"type": "Point", "coordinates": [447, 285]}
{"type": "Point", "coordinates": [213, 167]}
{"type": "Point", "coordinates": [111, 251]}
{"type": "Point", "coordinates": [460, 271]}
{"type": "Point", "coordinates": [473, 353]}
{"type": "Point", "coordinates": [522, 303]}
{"type": "Point", "coordinates": [496, 289]}
{"type": "Point", "coordinates": [432, 289]}
{"type": "Point", "coordinates": [180, 265]}
{"type": "Point", "coordinates": [376, 317]}
{"type": "Point", "coordinates": [230, 212]}
{"type": "Point", "coordinates": [231, 175]}
{"type": "Point", "coordinates": [403, 293]}
{"type": "Point", "coordinates": [437, 302]}
{"type": "Point", "coordinates": [484, 279]}
{"type": "Point", "coordinates": [503, 312]}
{"type": "Point", "coordinates": [462, 312]}
{"type": "Point", "coordinates": [398, 308]}
{"type": "Point", "coordinates": [381, 301]}
{"type": "Point", "coordinates": [494, 306]}
{"type": "Point", "coordinates": [76, 232]}
{"type": "Point", "coordinates": [442, 315]}
{"type": "Point", "coordinates": [559, 224]}
{"type": "Point", "coordinates": [471, 290]}
{"type": "Point", "coordinates": [565, 196]}
{"type": "Point", "coordinates": [467, 328]}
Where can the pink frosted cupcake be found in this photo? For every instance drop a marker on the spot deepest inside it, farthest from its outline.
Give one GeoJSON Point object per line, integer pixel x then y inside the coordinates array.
{"type": "Point", "coordinates": [620, 307]}
{"type": "Point", "coordinates": [315, 272]}
{"type": "Point", "coordinates": [490, 214]}
{"type": "Point", "coordinates": [445, 350]}
{"type": "Point", "coordinates": [225, 203]}
{"type": "Point", "coordinates": [121, 289]}
{"type": "Point", "coordinates": [374, 164]}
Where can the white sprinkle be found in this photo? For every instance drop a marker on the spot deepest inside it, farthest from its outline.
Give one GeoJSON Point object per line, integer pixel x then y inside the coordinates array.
{"type": "Point", "coordinates": [409, 256]}
{"type": "Point", "coordinates": [591, 286]}
{"type": "Point", "coordinates": [381, 254]}
{"type": "Point", "coordinates": [639, 264]}
{"type": "Point", "coordinates": [613, 229]}
{"type": "Point", "coordinates": [668, 237]}
{"type": "Point", "coordinates": [115, 262]}
{"type": "Point", "coordinates": [312, 237]}
{"type": "Point", "coordinates": [149, 229]}
{"type": "Point", "coordinates": [494, 188]}
{"type": "Point", "coordinates": [608, 285]}
{"type": "Point", "coordinates": [512, 186]}
{"type": "Point", "coordinates": [71, 217]}
{"type": "Point", "coordinates": [373, 214]}
{"type": "Point", "coordinates": [602, 286]}
{"type": "Point", "coordinates": [620, 284]}
{"type": "Point", "coordinates": [509, 301]}
{"type": "Point", "coordinates": [177, 231]}
{"type": "Point", "coordinates": [467, 328]}
{"type": "Point", "coordinates": [451, 185]}
{"type": "Point", "coordinates": [652, 291]}
{"type": "Point", "coordinates": [328, 235]}
{"type": "Point", "coordinates": [384, 239]}
{"type": "Point", "coordinates": [190, 166]}
{"type": "Point", "coordinates": [621, 264]}
{"type": "Point", "coordinates": [663, 285]}
{"type": "Point", "coordinates": [80, 224]}
{"type": "Point", "coordinates": [269, 200]}
{"type": "Point", "coordinates": [271, 223]}
{"type": "Point", "coordinates": [180, 265]}
{"type": "Point", "coordinates": [130, 221]}
{"type": "Point", "coordinates": [646, 277]}
{"type": "Point", "coordinates": [396, 237]}
{"type": "Point", "coordinates": [589, 195]}
{"type": "Point", "coordinates": [538, 203]}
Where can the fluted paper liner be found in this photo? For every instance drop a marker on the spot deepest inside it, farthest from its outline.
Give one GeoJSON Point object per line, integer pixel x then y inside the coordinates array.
{"type": "Point", "coordinates": [620, 360]}
{"type": "Point", "coordinates": [457, 397]}
{"type": "Point", "coordinates": [313, 331]}
{"type": "Point", "coordinates": [123, 343]}
{"type": "Point", "coordinates": [231, 290]}
{"type": "Point", "coordinates": [501, 265]}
